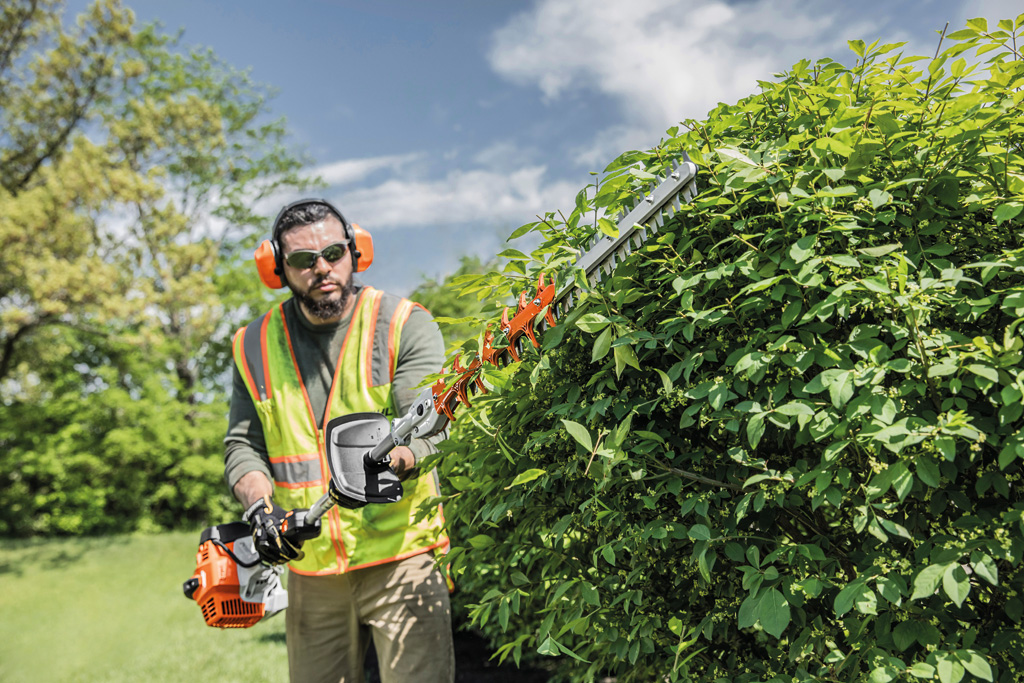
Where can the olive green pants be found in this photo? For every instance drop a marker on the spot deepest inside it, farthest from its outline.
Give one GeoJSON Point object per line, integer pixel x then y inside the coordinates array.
{"type": "Point", "coordinates": [402, 606]}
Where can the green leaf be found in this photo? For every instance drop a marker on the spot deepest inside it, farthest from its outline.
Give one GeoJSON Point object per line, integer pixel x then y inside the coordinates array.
{"type": "Point", "coordinates": [950, 670]}
{"type": "Point", "coordinates": [840, 390]}
{"type": "Point", "coordinates": [846, 598]}
{"type": "Point", "coordinates": [548, 647]}
{"type": "Point", "coordinates": [927, 581]}
{"type": "Point", "coordinates": [922, 670]}
{"type": "Point", "coordinates": [905, 634]}
{"type": "Point", "coordinates": [749, 610]}
{"type": "Point", "coordinates": [1007, 212]}
{"type": "Point", "coordinates": [592, 322]}
{"type": "Point", "coordinates": [976, 664]}
{"type": "Point", "coordinates": [699, 532]}
{"type": "Point", "coordinates": [514, 255]}
{"type": "Point", "coordinates": [481, 541]}
{"type": "Point", "coordinates": [956, 584]}
{"type": "Point", "coordinates": [791, 312]}
{"type": "Point", "coordinates": [795, 408]}
{"type": "Point", "coordinates": [527, 476]}
{"type": "Point", "coordinates": [726, 153]}
{"type": "Point", "coordinates": [755, 429]}
{"type": "Point", "coordinates": [522, 230]}
{"type": "Point", "coordinates": [590, 595]}
{"type": "Point", "coordinates": [773, 612]}
{"type": "Point", "coordinates": [803, 248]}
{"type": "Point", "coordinates": [880, 250]}
{"type": "Point", "coordinates": [625, 355]}
{"type": "Point", "coordinates": [985, 567]}
{"type": "Point", "coordinates": [580, 434]}
{"type": "Point", "coordinates": [602, 345]}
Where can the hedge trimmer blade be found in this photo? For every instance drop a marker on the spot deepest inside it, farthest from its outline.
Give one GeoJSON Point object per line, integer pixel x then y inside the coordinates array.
{"type": "Point", "coordinates": [643, 220]}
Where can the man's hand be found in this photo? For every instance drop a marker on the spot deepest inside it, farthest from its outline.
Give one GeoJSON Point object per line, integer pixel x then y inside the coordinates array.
{"type": "Point", "coordinates": [403, 463]}
{"type": "Point", "coordinates": [274, 533]}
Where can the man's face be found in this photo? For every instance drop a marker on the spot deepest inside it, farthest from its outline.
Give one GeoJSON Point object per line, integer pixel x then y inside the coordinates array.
{"type": "Point", "coordinates": [324, 290]}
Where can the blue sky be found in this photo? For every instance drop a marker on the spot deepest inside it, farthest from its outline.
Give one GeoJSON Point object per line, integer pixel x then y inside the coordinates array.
{"type": "Point", "coordinates": [442, 126]}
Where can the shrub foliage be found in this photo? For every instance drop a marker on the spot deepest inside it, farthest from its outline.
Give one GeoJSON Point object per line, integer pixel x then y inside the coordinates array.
{"type": "Point", "coordinates": [783, 441]}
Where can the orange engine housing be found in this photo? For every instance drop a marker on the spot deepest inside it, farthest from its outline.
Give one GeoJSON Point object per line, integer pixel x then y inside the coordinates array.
{"type": "Point", "coordinates": [216, 584]}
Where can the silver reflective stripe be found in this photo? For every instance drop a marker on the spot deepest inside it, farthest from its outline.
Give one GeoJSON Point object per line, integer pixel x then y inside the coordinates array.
{"type": "Point", "coordinates": [252, 351]}
{"type": "Point", "coordinates": [306, 472]}
{"type": "Point", "coordinates": [380, 367]}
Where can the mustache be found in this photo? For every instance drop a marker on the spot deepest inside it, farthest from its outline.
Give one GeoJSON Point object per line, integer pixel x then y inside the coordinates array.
{"type": "Point", "coordinates": [324, 278]}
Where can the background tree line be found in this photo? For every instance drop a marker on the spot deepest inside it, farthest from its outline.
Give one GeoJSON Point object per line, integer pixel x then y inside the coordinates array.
{"type": "Point", "coordinates": [128, 173]}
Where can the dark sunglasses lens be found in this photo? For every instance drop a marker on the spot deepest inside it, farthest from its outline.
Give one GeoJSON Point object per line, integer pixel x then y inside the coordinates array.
{"type": "Point", "coordinates": [334, 252]}
{"type": "Point", "coordinates": [302, 259]}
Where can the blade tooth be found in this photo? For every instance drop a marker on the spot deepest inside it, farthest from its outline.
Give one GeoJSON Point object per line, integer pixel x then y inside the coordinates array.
{"type": "Point", "coordinates": [659, 219]}
{"type": "Point", "coordinates": [652, 229]}
{"type": "Point", "coordinates": [677, 203]}
{"type": "Point", "coordinates": [624, 251]}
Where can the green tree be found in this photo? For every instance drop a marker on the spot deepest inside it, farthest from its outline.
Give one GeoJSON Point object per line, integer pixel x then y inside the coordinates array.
{"type": "Point", "coordinates": [457, 314]}
{"type": "Point", "coordinates": [784, 440]}
{"type": "Point", "coordinates": [128, 169]}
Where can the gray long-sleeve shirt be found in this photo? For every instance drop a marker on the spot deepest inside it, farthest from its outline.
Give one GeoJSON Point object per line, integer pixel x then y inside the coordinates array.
{"type": "Point", "coordinates": [317, 347]}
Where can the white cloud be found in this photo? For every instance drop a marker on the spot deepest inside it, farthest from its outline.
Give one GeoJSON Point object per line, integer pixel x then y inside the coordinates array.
{"type": "Point", "coordinates": [351, 171]}
{"type": "Point", "coordinates": [662, 61]}
{"type": "Point", "coordinates": [486, 197]}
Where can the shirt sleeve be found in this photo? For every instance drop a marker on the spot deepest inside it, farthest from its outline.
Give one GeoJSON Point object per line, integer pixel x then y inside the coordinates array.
{"type": "Point", "coordinates": [420, 353]}
{"type": "Point", "coordinates": [245, 450]}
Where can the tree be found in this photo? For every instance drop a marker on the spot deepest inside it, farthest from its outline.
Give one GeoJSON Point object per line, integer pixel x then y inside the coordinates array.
{"type": "Point", "coordinates": [782, 442]}
{"type": "Point", "coordinates": [128, 172]}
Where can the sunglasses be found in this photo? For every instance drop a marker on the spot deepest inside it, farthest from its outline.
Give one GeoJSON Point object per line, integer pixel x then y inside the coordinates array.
{"type": "Point", "coordinates": [303, 259]}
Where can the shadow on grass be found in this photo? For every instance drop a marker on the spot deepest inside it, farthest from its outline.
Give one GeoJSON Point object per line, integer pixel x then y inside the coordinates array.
{"type": "Point", "coordinates": [47, 554]}
{"type": "Point", "coordinates": [277, 637]}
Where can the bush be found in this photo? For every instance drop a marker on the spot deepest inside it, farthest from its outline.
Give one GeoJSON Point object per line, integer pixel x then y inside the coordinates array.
{"type": "Point", "coordinates": [783, 441]}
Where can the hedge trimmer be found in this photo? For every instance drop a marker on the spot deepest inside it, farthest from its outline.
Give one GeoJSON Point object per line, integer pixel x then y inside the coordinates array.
{"type": "Point", "coordinates": [234, 590]}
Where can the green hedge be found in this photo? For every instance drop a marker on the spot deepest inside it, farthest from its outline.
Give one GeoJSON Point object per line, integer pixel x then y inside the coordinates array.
{"type": "Point", "coordinates": [783, 442]}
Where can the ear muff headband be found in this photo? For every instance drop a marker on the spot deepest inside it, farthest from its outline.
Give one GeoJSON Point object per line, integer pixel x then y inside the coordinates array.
{"type": "Point", "coordinates": [270, 259]}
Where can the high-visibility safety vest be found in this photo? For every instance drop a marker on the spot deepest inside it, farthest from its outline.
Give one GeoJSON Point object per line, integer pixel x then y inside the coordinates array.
{"type": "Point", "coordinates": [296, 446]}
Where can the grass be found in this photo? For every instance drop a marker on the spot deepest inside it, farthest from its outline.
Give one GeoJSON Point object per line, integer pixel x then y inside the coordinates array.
{"type": "Point", "coordinates": [112, 610]}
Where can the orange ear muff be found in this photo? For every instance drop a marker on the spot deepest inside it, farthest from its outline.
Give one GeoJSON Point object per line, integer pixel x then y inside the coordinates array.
{"type": "Point", "coordinates": [364, 245]}
{"type": "Point", "coordinates": [266, 265]}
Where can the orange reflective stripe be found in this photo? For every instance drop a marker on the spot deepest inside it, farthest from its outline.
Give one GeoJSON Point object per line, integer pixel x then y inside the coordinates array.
{"type": "Point", "coordinates": [341, 354]}
{"type": "Point", "coordinates": [300, 457]}
{"type": "Point", "coordinates": [263, 349]}
{"type": "Point", "coordinates": [239, 353]}
{"type": "Point", "coordinates": [368, 333]}
{"type": "Point", "coordinates": [402, 314]}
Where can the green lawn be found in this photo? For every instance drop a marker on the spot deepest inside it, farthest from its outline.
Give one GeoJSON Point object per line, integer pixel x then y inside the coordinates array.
{"type": "Point", "coordinates": [111, 609]}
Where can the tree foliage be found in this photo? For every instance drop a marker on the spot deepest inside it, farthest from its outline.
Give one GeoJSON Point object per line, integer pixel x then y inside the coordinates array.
{"type": "Point", "coordinates": [128, 172]}
{"type": "Point", "coordinates": [783, 441]}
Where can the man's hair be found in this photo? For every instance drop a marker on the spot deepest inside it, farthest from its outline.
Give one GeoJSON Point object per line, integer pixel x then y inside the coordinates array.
{"type": "Point", "coordinates": [303, 214]}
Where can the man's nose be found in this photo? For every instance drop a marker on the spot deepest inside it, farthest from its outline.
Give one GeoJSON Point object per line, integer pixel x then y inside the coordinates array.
{"type": "Point", "coordinates": [322, 265]}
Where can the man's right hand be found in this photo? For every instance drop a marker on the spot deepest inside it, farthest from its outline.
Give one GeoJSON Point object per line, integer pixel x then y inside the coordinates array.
{"type": "Point", "coordinates": [273, 532]}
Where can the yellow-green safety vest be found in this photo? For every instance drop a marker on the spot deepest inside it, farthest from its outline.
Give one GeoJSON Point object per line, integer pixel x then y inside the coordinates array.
{"type": "Point", "coordinates": [296, 446]}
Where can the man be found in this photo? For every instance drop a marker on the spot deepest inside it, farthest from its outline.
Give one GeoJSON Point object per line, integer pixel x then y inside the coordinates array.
{"type": "Point", "coordinates": [338, 347]}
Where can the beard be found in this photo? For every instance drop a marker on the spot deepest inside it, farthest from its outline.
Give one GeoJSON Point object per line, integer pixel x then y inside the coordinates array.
{"type": "Point", "coordinates": [326, 308]}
